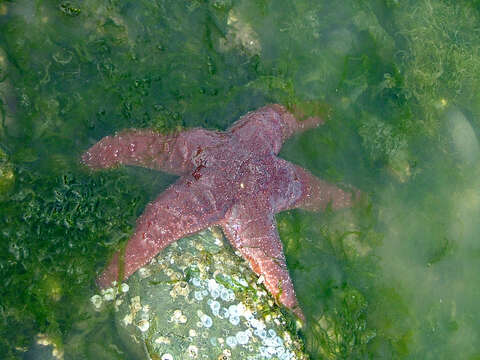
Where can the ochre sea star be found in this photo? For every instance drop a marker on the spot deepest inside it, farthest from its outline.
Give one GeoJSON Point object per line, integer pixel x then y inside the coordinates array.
{"type": "Point", "coordinates": [231, 179]}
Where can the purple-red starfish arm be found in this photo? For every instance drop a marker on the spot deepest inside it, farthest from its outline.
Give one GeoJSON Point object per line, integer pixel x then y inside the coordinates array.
{"type": "Point", "coordinates": [183, 209]}
{"type": "Point", "coordinates": [173, 153]}
{"type": "Point", "coordinates": [254, 234]}
{"type": "Point", "coordinates": [317, 194]}
{"type": "Point", "coordinates": [272, 124]}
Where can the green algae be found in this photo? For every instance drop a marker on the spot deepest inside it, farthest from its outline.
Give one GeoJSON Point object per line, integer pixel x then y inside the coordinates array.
{"type": "Point", "coordinates": [442, 57]}
{"type": "Point", "coordinates": [380, 281]}
{"type": "Point", "coordinates": [49, 225]}
{"type": "Point", "coordinates": [7, 177]}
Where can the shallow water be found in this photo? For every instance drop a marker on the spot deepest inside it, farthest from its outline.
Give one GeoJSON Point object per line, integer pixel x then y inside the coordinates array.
{"type": "Point", "coordinates": [397, 82]}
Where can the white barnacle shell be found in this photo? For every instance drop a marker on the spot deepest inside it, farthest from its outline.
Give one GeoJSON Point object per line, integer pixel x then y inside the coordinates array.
{"type": "Point", "coordinates": [206, 320]}
{"type": "Point", "coordinates": [135, 304]}
{"type": "Point", "coordinates": [242, 337]}
{"type": "Point", "coordinates": [144, 272]}
{"type": "Point", "coordinates": [212, 284]}
{"type": "Point", "coordinates": [127, 320]}
{"type": "Point", "coordinates": [96, 301]}
{"type": "Point", "coordinates": [234, 320]}
{"type": "Point", "coordinates": [231, 341]}
{"type": "Point", "coordinates": [143, 325]}
{"type": "Point", "coordinates": [215, 306]}
{"type": "Point", "coordinates": [192, 351]}
{"type": "Point", "coordinates": [109, 294]}
{"type": "Point", "coordinates": [198, 295]}
{"type": "Point", "coordinates": [233, 310]}
{"type": "Point", "coordinates": [176, 315]}
{"type": "Point", "coordinates": [241, 308]}
{"type": "Point", "coordinates": [162, 340]}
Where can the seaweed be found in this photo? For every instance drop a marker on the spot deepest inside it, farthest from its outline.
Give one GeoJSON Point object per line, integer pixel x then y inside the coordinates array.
{"type": "Point", "coordinates": [55, 232]}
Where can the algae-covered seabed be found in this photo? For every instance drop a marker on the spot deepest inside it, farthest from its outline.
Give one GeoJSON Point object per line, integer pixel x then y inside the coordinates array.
{"type": "Point", "coordinates": [398, 81]}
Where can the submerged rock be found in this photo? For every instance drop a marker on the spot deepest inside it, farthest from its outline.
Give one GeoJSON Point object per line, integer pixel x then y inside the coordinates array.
{"type": "Point", "coordinates": [199, 300]}
{"type": "Point", "coordinates": [464, 142]}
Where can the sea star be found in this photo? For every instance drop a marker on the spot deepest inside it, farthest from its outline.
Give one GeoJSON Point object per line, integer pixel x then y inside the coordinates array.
{"type": "Point", "coordinates": [231, 179]}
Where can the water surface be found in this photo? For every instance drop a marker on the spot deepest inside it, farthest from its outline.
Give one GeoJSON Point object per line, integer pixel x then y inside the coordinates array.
{"type": "Point", "coordinates": [395, 277]}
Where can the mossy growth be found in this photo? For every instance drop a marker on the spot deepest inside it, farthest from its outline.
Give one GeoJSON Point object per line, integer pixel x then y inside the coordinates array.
{"type": "Point", "coordinates": [55, 232]}
{"type": "Point", "coordinates": [441, 56]}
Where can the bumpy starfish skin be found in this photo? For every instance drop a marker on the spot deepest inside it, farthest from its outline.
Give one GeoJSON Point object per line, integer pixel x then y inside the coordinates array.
{"type": "Point", "coordinates": [232, 179]}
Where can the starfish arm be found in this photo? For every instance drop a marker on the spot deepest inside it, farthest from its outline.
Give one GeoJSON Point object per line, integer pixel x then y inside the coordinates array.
{"type": "Point", "coordinates": [173, 153]}
{"type": "Point", "coordinates": [316, 194]}
{"type": "Point", "coordinates": [273, 124]}
{"type": "Point", "coordinates": [258, 242]}
{"type": "Point", "coordinates": [183, 209]}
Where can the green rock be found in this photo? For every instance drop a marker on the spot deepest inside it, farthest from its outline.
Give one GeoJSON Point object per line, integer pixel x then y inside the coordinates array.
{"type": "Point", "coordinates": [198, 299]}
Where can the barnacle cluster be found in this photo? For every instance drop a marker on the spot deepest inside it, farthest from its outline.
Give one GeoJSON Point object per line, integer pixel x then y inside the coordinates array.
{"type": "Point", "coordinates": [198, 298]}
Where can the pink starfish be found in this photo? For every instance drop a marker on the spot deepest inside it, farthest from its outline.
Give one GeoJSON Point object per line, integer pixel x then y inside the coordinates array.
{"type": "Point", "coordinates": [232, 179]}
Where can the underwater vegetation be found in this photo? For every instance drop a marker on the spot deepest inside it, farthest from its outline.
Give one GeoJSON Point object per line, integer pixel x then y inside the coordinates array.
{"type": "Point", "coordinates": [397, 83]}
